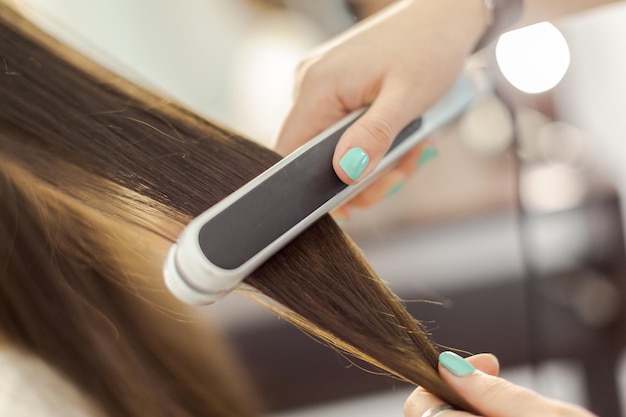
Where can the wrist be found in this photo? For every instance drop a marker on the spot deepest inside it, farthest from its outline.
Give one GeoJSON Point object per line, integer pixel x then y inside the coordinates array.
{"type": "Point", "coordinates": [502, 15]}
{"type": "Point", "coordinates": [463, 21]}
{"type": "Point", "coordinates": [476, 18]}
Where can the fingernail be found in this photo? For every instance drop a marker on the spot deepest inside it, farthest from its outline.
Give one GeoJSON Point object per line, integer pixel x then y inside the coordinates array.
{"type": "Point", "coordinates": [340, 218]}
{"type": "Point", "coordinates": [395, 188]}
{"type": "Point", "coordinates": [455, 364]}
{"type": "Point", "coordinates": [341, 215]}
{"type": "Point", "coordinates": [427, 154]}
{"type": "Point", "coordinates": [354, 163]}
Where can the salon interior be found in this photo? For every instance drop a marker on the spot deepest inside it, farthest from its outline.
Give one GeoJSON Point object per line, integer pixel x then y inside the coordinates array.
{"type": "Point", "coordinates": [514, 234]}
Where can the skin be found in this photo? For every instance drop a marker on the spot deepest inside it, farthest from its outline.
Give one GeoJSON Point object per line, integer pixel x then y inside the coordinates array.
{"type": "Point", "coordinates": [398, 63]}
{"type": "Point", "coordinates": [396, 85]}
{"type": "Point", "coordinates": [492, 396]}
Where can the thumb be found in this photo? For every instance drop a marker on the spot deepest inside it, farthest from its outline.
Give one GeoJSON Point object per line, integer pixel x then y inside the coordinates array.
{"type": "Point", "coordinates": [497, 397]}
{"type": "Point", "coordinates": [309, 116]}
{"type": "Point", "coordinates": [364, 144]}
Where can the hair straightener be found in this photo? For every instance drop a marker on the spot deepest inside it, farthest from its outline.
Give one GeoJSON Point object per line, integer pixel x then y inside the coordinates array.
{"type": "Point", "coordinates": [226, 243]}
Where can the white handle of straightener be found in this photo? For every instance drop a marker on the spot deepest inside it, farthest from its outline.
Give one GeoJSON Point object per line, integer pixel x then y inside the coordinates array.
{"type": "Point", "coordinates": [226, 243]}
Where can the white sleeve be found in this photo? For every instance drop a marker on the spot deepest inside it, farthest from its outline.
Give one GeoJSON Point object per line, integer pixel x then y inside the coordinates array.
{"type": "Point", "coordinates": [31, 388]}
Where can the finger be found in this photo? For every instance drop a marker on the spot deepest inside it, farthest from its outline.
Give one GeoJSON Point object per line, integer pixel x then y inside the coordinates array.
{"type": "Point", "coordinates": [496, 397]}
{"type": "Point", "coordinates": [363, 145]}
{"type": "Point", "coordinates": [412, 160]}
{"type": "Point", "coordinates": [341, 214]}
{"type": "Point", "coordinates": [415, 159]}
{"type": "Point", "coordinates": [393, 182]}
{"type": "Point", "coordinates": [387, 185]}
{"type": "Point", "coordinates": [485, 362]}
{"type": "Point", "coordinates": [420, 400]}
{"type": "Point", "coordinates": [310, 114]}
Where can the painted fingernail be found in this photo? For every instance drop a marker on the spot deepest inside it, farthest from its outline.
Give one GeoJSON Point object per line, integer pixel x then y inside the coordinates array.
{"type": "Point", "coordinates": [394, 190]}
{"type": "Point", "coordinates": [427, 154]}
{"type": "Point", "coordinates": [455, 364]}
{"type": "Point", "coordinates": [340, 218]}
{"type": "Point", "coordinates": [354, 163]}
{"type": "Point", "coordinates": [341, 215]}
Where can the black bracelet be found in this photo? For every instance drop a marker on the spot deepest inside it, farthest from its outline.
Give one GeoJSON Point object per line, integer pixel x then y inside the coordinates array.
{"type": "Point", "coordinates": [503, 15]}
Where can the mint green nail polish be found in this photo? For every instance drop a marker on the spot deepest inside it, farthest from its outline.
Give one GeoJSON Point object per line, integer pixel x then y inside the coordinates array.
{"type": "Point", "coordinates": [455, 364]}
{"type": "Point", "coordinates": [395, 189]}
{"type": "Point", "coordinates": [427, 154]}
{"type": "Point", "coordinates": [340, 220]}
{"type": "Point", "coordinates": [354, 163]}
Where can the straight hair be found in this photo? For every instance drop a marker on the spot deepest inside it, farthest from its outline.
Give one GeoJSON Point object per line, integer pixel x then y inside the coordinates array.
{"type": "Point", "coordinates": [97, 177]}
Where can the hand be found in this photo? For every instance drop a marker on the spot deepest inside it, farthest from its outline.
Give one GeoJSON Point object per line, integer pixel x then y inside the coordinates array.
{"type": "Point", "coordinates": [398, 62]}
{"type": "Point", "coordinates": [475, 379]}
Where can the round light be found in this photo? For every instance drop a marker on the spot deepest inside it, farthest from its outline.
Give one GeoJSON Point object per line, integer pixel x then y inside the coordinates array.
{"type": "Point", "coordinates": [550, 188]}
{"type": "Point", "coordinates": [533, 59]}
{"type": "Point", "coordinates": [487, 128]}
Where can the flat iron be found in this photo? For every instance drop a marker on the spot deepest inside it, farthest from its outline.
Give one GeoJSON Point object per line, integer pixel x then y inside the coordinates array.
{"type": "Point", "coordinates": [226, 243]}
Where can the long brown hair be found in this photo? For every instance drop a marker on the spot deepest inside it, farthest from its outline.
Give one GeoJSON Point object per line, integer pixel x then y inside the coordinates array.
{"type": "Point", "coordinates": [97, 176]}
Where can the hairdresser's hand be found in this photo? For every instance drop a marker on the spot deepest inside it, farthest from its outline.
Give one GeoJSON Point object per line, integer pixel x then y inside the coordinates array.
{"type": "Point", "coordinates": [475, 379]}
{"type": "Point", "coordinates": [398, 62]}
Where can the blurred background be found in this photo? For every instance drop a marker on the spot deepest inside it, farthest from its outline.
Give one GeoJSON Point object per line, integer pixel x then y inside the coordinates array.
{"type": "Point", "coordinates": [515, 230]}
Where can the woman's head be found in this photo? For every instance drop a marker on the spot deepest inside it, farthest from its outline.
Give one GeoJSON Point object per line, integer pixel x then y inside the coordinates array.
{"type": "Point", "coordinates": [97, 178]}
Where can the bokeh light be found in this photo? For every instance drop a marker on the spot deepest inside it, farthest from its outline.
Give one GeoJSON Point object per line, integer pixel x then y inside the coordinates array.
{"type": "Point", "coordinates": [533, 59]}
